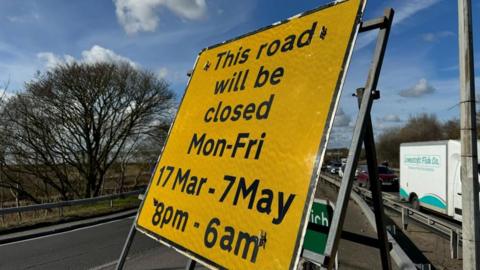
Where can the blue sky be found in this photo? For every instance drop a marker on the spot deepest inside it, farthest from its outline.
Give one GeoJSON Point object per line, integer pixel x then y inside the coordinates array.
{"type": "Point", "coordinates": [420, 72]}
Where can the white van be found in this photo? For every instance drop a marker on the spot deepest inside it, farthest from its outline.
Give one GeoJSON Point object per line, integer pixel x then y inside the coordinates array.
{"type": "Point", "coordinates": [430, 176]}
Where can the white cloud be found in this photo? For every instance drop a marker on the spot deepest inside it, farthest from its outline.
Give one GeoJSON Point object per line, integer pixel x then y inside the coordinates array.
{"type": "Point", "coordinates": [51, 60]}
{"type": "Point", "coordinates": [402, 13]}
{"type": "Point", "coordinates": [25, 18]}
{"type": "Point", "coordinates": [189, 9]}
{"type": "Point", "coordinates": [99, 54]}
{"type": "Point", "coordinates": [95, 55]}
{"type": "Point", "coordinates": [411, 7]}
{"type": "Point", "coordinates": [342, 119]}
{"type": "Point", "coordinates": [391, 118]}
{"type": "Point", "coordinates": [432, 37]}
{"type": "Point", "coordinates": [163, 72]}
{"type": "Point", "coordinates": [141, 15]}
{"type": "Point", "coordinates": [340, 137]}
{"type": "Point", "coordinates": [420, 89]}
{"type": "Point", "coordinates": [450, 68]}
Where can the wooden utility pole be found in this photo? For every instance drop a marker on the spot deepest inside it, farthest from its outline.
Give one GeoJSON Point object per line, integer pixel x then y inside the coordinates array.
{"type": "Point", "coordinates": [468, 135]}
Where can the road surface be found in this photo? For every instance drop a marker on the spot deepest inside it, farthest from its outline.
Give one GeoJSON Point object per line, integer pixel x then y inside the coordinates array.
{"type": "Point", "coordinates": [95, 247]}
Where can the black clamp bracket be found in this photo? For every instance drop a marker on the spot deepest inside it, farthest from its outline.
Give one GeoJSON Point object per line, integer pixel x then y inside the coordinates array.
{"type": "Point", "coordinates": [375, 93]}
{"type": "Point", "coordinates": [381, 22]}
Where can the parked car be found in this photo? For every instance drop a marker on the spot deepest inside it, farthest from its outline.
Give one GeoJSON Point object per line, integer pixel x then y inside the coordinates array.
{"type": "Point", "coordinates": [333, 167]}
{"type": "Point", "coordinates": [388, 179]}
{"type": "Point", "coordinates": [360, 168]}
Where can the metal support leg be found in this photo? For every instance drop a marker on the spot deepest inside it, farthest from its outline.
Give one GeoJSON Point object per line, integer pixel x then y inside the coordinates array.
{"type": "Point", "coordinates": [375, 187]}
{"type": "Point", "coordinates": [404, 219]}
{"type": "Point", "coordinates": [191, 264]}
{"type": "Point", "coordinates": [357, 140]}
{"type": "Point", "coordinates": [126, 247]}
{"type": "Point", "coordinates": [453, 244]}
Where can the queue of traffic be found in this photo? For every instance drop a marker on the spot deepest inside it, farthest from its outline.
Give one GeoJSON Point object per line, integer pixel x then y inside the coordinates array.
{"type": "Point", "coordinates": [428, 176]}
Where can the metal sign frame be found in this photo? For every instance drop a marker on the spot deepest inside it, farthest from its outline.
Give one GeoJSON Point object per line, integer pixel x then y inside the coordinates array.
{"type": "Point", "coordinates": [363, 133]}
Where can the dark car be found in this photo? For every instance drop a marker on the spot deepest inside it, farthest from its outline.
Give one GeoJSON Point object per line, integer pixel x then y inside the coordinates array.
{"type": "Point", "coordinates": [386, 176]}
{"type": "Point", "coordinates": [333, 167]}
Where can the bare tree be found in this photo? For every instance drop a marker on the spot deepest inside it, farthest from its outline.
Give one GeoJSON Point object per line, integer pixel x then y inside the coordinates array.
{"type": "Point", "coordinates": [72, 123]}
{"type": "Point", "coordinates": [152, 145]}
{"type": "Point", "coordinates": [388, 145]}
{"type": "Point", "coordinates": [423, 127]}
{"type": "Point", "coordinates": [451, 129]}
{"type": "Point", "coordinates": [12, 185]}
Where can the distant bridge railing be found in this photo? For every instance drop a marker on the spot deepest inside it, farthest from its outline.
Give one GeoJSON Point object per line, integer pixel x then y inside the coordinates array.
{"type": "Point", "coordinates": [61, 204]}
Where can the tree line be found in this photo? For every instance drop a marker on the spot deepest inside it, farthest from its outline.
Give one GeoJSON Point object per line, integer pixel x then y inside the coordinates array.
{"type": "Point", "coordinates": [422, 127]}
{"type": "Point", "coordinates": [72, 124]}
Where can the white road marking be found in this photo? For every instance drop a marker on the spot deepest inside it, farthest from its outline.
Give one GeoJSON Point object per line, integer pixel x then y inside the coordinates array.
{"type": "Point", "coordinates": [70, 231]}
{"type": "Point", "coordinates": [104, 265]}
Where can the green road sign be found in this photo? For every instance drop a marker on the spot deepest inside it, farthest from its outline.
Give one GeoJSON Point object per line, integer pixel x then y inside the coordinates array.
{"type": "Point", "coordinates": [317, 232]}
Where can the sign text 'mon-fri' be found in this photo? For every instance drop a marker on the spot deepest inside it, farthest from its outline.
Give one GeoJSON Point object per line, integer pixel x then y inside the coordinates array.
{"type": "Point", "coordinates": [234, 181]}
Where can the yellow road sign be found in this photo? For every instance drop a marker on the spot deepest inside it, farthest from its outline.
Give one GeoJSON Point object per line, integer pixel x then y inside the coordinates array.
{"type": "Point", "coordinates": [236, 178]}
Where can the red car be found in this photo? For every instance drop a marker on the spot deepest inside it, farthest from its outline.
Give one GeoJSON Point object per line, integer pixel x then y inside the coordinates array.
{"type": "Point", "coordinates": [386, 176]}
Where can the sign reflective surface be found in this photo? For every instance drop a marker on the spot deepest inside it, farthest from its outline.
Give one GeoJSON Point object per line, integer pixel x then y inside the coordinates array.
{"type": "Point", "coordinates": [236, 178]}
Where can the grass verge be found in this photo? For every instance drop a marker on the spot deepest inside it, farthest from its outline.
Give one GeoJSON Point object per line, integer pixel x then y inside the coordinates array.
{"type": "Point", "coordinates": [34, 219]}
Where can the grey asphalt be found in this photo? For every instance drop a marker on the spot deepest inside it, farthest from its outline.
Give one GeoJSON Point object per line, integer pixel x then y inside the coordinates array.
{"type": "Point", "coordinates": [15, 236]}
{"type": "Point", "coordinates": [95, 247]}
